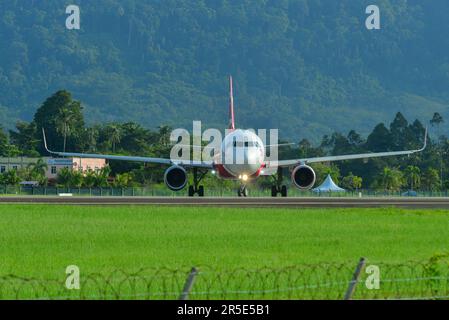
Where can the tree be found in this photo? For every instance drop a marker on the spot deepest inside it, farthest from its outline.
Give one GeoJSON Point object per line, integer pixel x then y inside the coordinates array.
{"type": "Point", "coordinates": [24, 137]}
{"type": "Point", "coordinates": [38, 170]}
{"type": "Point", "coordinates": [115, 135]}
{"type": "Point", "coordinates": [64, 176]}
{"type": "Point", "coordinates": [431, 180]}
{"type": "Point", "coordinates": [164, 135]}
{"type": "Point", "coordinates": [76, 178]}
{"type": "Point", "coordinates": [437, 120]}
{"type": "Point", "coordinates": [351, 182]}
{"type": "Point", "coordinates": [379, 139]}
{"type": "Point", "coordinates": [123, 180]}
{"type": "Point", "coordinates": [64, 122]}
{"type": "Point", "coordinates": [390, 179]}
{"type": "Point", "coordinates": [102, 176]}
{"type": "Point", "coordinates": [412, 175]}
{"type": "Point", "coordinates": [60, 115]}
{"type": "Point", "coordinates": [304, 147]}
{"type": "Point", "coordinates": [3, 143]}
{"type": "Point", "coordinates": [322, 171]}
{"type": "Point", "coordinates": [89, 178]}
{"type": "Point", "coordinates": [11, 178]}
{"type": "Point", "coordinates": [399, 131]}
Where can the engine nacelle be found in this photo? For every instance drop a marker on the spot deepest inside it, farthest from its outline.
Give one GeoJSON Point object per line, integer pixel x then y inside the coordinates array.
{"type": "Point", "coordinates": [175, 178]}
{"type": "Point", "coordinates": [304, 177]}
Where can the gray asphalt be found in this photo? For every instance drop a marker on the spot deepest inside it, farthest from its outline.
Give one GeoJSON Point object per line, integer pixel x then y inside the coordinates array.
{"type": "Point", "coordinates": [414, 203]}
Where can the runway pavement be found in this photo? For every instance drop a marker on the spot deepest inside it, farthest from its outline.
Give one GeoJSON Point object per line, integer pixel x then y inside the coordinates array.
{"type": "Point", "coordinates": [300, 202]}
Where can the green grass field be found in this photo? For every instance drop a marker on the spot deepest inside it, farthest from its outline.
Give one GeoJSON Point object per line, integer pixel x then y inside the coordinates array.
{"type": "Point", "coordinates": [40, 241]}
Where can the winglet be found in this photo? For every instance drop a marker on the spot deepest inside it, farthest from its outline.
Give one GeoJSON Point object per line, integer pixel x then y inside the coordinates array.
{"type": "Point", "coordinates": [231, 105]}
{"type": "Point", "coordinates": [425, 141]}
{"type": "Point", "coordinates": [45, 141]}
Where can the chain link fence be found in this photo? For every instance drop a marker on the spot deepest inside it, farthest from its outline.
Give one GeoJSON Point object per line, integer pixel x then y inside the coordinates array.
{"type": "Point", "coordinates": [413, 280]}
{"type": "Point", "coordinates": [162, 191]}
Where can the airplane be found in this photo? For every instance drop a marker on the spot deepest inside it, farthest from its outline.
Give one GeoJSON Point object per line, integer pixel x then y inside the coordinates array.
{"type": "Point", "coordinates": [241, 144]}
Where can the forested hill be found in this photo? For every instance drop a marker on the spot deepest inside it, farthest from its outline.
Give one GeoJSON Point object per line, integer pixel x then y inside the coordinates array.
{"type": "Point", "coordinates": [308, 67]}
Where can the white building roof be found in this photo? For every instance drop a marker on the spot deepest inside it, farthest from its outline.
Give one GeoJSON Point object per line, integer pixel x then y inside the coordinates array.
{"type": "Point", "coordinates": [328, 186]}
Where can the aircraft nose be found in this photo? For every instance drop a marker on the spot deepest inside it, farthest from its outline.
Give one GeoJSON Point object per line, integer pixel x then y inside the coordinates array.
{"type": "Point", "coordinates": [252, 160]}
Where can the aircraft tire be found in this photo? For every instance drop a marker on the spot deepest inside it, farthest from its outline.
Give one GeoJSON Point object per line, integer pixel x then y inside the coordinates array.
{"type": "Point", "coordinates": [201, 191]}
{"type": "Point", "coordinates": [274, 191]}
{"type": "Point", "coordinates": [284, 191]}
{"type": "Point", "coordinates": [191, 191]}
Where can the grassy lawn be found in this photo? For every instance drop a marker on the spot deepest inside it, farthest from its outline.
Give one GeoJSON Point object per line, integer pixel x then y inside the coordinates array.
{"type": "Point", "coordinates": [42, 240]}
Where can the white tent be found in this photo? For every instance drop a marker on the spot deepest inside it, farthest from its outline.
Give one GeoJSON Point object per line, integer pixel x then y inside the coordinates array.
{"type": "Point", "coordinates": [328, 186]}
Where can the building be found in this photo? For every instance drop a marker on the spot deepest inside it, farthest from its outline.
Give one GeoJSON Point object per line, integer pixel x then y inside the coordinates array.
{"type": "Point", "coordinates": [54, 164]}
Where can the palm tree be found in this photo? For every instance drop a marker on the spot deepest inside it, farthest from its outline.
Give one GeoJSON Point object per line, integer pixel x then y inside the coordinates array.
{"type": "Point", "coordinates": [412, 174]}
{"type": "Point", "coordinates": [37, 171]}
{"type": "Point", "coordinates": [64, 123]}
{"type": "Point", "coordinates": [40, 167]}
{"type": "Point", "coordinates": [437, 120]}
{"type": "Point", "coordinates": [391, 179]}
{"type": "Point", "coordinates": [89, 178]}
{"type": "Point", "coordinates": [123, 180]}
{"type": "Point", "coordinates": [115, 135]}
{"type": "Point", "coordinates": [64, 176]}
{"type": "Point", "coordinates": [101, 176]}
{"type": "Point", "coordinates": [92, 136]}
{"type": "Point", "coordinates": [164, 135]}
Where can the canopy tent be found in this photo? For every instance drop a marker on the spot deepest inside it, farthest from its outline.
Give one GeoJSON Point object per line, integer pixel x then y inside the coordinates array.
{"type": "Point", "coordinates": [328, 186]}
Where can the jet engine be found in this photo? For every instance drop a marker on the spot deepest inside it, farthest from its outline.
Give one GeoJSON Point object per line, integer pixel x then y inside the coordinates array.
{"type": "Point", "coordinates": [175, 178]}
{"type": "Point", "coordinates": [303, 177]}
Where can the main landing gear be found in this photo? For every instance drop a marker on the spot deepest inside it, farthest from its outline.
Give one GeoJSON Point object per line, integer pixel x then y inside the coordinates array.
{"type": "Point", "coordinates": [277, 188]}
{"type": "Point", "coordinates": [243, 191]}
{"type": "Point", "coordinates": [196, 188]}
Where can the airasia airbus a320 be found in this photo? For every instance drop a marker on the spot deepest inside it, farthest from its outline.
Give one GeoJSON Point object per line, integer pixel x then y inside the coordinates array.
{"type": "Point", "coordinates": [246, 146]}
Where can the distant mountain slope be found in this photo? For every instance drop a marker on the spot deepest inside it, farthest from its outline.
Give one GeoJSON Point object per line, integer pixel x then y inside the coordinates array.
{"type": "Point", "coordinates": [305, 66]}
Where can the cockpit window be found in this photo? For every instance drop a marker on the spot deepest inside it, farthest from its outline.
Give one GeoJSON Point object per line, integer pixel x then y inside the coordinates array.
{"type": "Point", "coordinates": [245, 144]}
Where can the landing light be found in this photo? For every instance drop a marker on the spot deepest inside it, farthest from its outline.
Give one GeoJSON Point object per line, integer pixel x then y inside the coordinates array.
{"type": "Point", "coordinates": [213, 172]}
{"type": "Point", "coordinates": [244, 177]}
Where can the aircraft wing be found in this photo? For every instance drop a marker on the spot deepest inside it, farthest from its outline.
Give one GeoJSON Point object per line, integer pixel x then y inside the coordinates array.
{"type": "Point", "coordinates": [294, 162]}
{"type": "Point", "coordinates": [169, 162]}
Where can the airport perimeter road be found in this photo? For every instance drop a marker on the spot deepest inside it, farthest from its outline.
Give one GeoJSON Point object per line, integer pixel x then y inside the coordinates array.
{"type": "Point", "coordinates": [437, 203]}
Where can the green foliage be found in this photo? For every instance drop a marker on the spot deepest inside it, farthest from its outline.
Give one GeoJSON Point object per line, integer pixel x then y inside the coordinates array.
{"type": "Point", "coordinates": [431, 180]}
{"type": "Point", "coordinates": [123, 180]}
{"type": "Point", "coordinates": [62, 118]}
{"type": "Point", "coordinates": [391, 179]}
{"type": "Point", "coordinates": [351, 182]}
{"type": "Point", "coordinates": [412, 175]}
{"type": "Point", "coordinates": [323, 170]}
{"type": "Point", "coordinates": [68, 177]}
{"type": "Point", "coordinates": [10, 178]}
{"type": "Point", "coordinates": [67, 127]}
{"type": "Point", "coordinates": [165, 62]}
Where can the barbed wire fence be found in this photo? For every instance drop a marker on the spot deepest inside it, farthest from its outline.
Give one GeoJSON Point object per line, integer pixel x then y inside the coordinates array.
{"type": "Point", "coordinates": [412, 280]}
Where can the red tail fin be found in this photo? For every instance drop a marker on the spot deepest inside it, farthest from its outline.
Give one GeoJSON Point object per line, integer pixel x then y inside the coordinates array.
{"type": "Point", "coordinates": [231, 105]}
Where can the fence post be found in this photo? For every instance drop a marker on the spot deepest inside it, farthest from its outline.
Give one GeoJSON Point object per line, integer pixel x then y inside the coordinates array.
{"type": "Point", "coordinates": [189, 284]}
{"type": "Point", "coordinates": [355, 279]}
